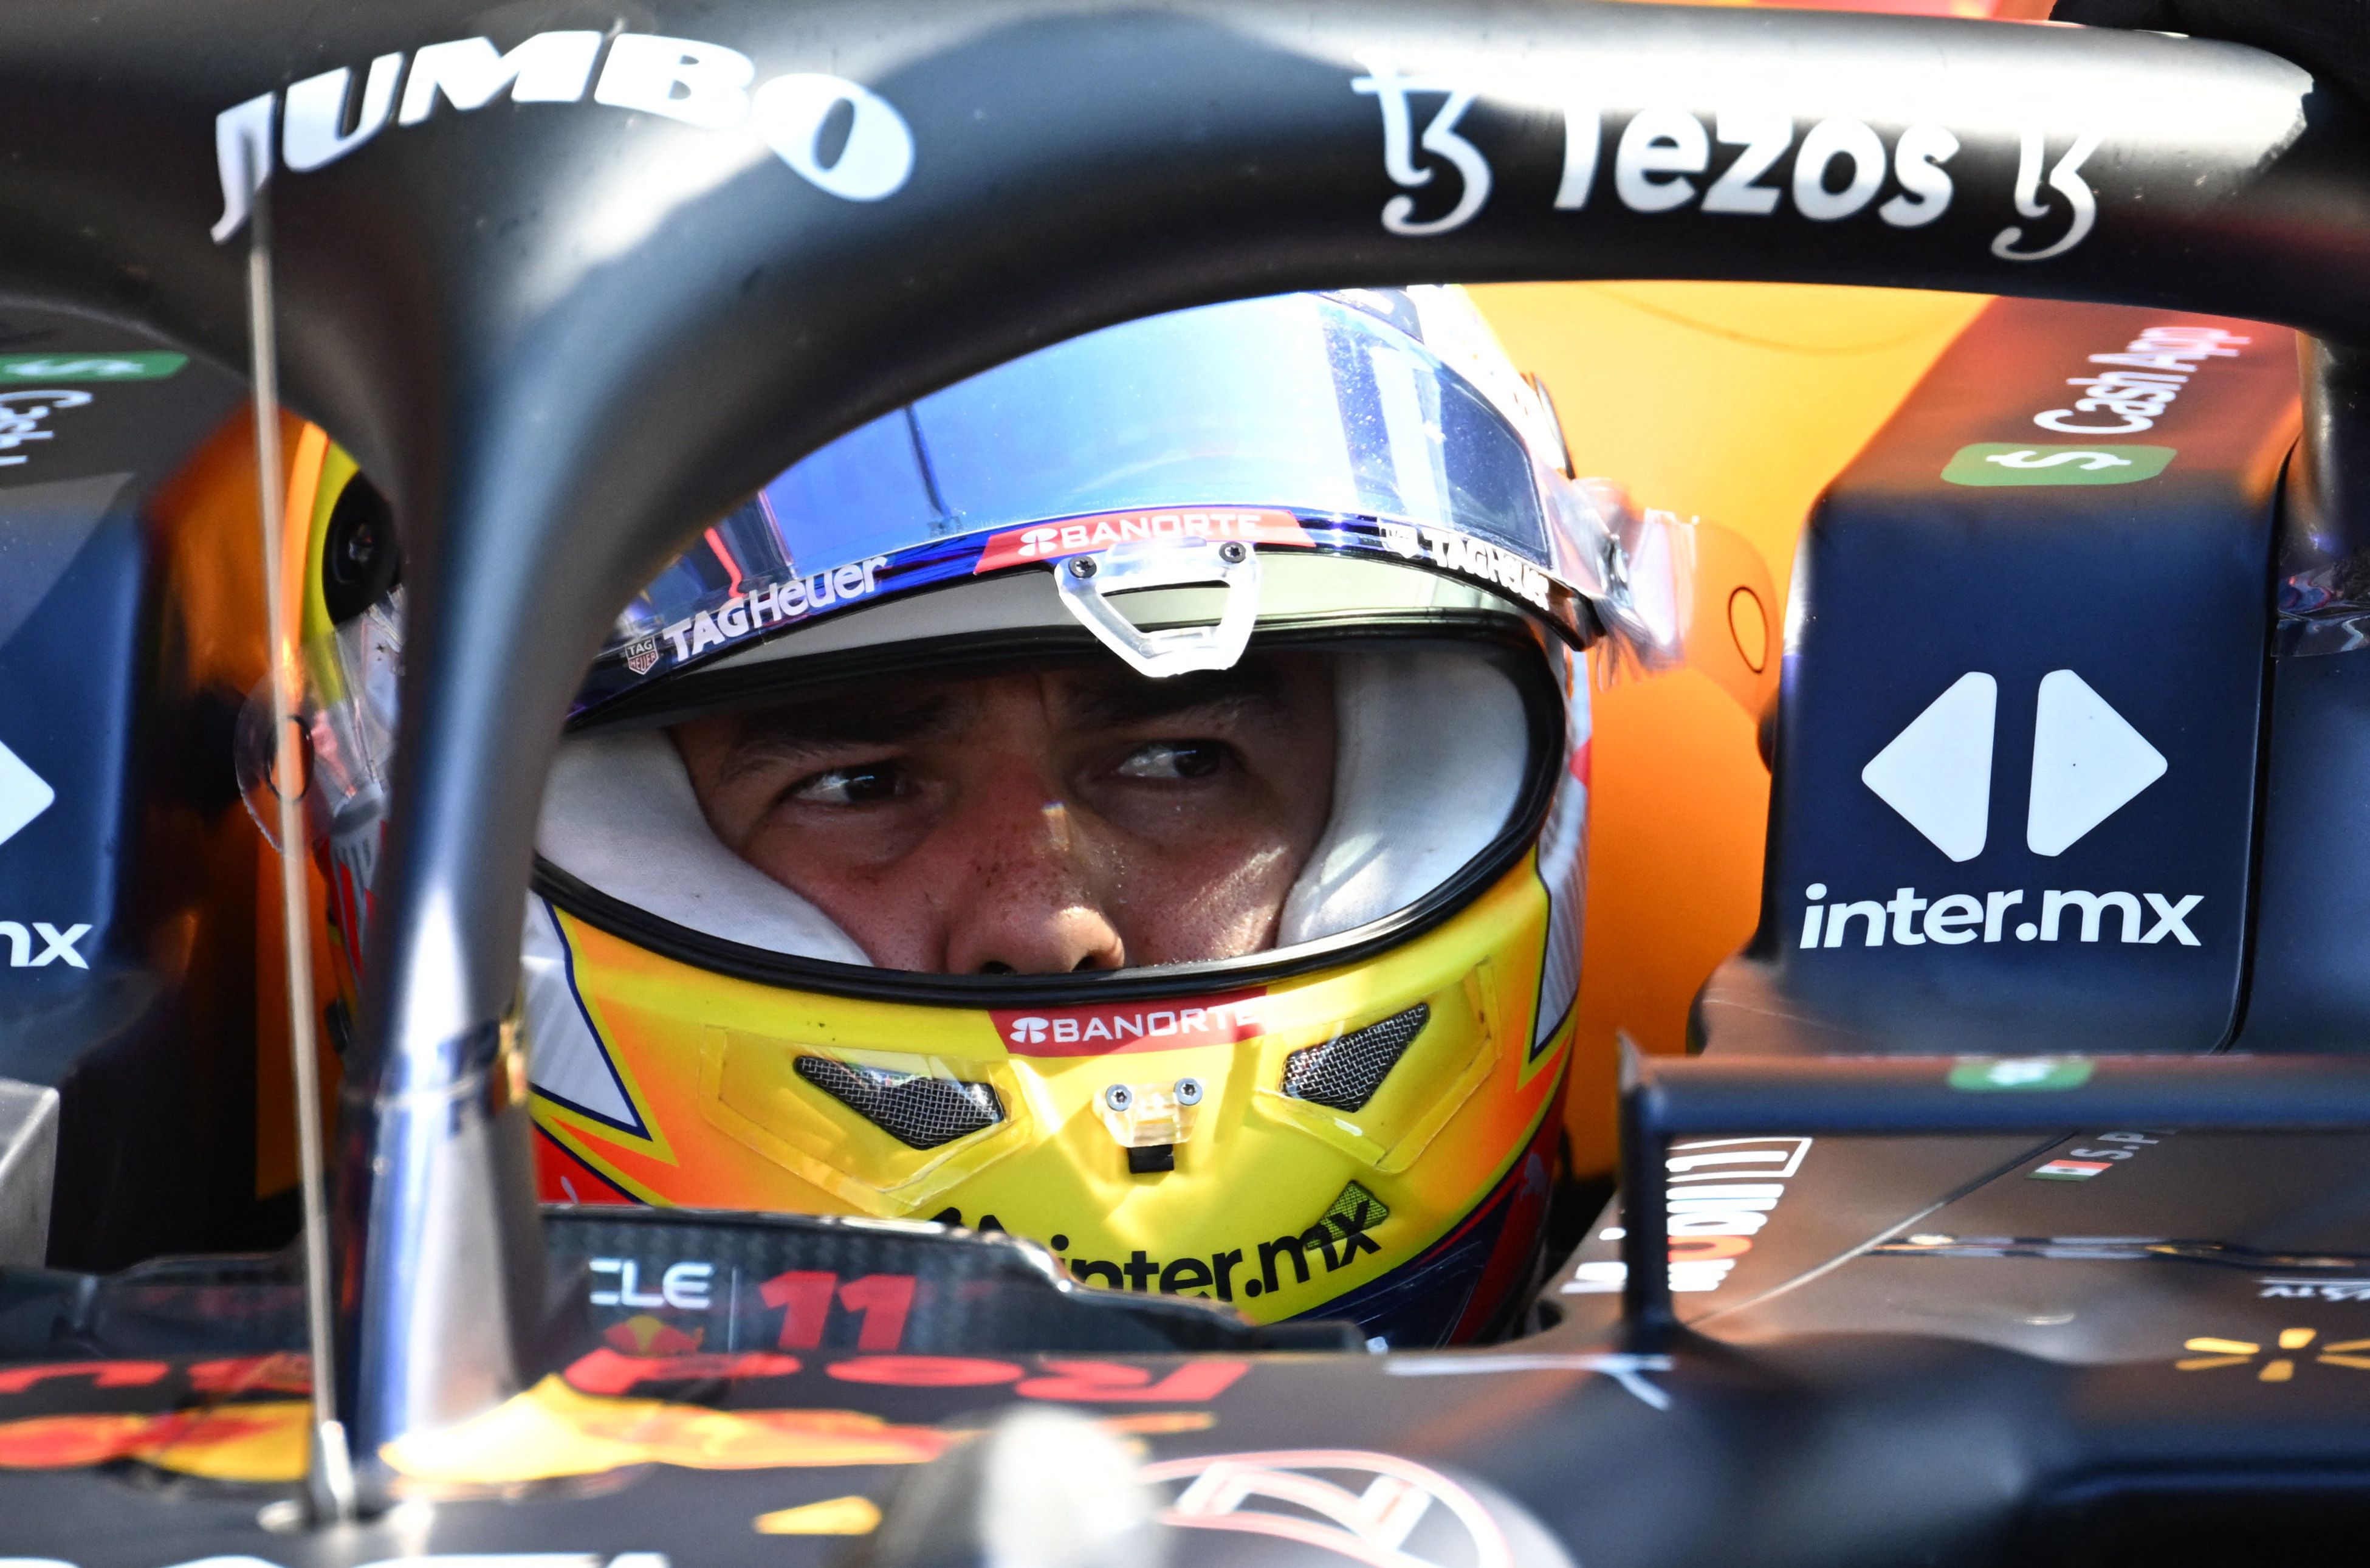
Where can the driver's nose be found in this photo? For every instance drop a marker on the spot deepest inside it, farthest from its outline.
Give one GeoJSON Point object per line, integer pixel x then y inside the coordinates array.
{"type": "Point", "coordinates": [1031, 905]}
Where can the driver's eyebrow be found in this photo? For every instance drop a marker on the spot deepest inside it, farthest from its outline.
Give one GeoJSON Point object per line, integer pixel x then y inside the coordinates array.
{"type": "Point", "coordinates": [789, 731]}
{"type": "Point", "coordinates": [1111, 701]}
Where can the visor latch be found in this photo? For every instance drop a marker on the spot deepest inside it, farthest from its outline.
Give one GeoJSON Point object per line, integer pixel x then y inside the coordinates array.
{"type": "Point", "coordinates": [1089, 582]}
{"type": "Point", "coordinates": [1149, 1119]}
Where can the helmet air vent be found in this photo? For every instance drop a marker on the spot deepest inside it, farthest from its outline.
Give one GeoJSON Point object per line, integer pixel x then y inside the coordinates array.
{"type": "Point", "coordinates": [915, 1109]}
{"type": "Point", "coordinates": [1345, 1071]}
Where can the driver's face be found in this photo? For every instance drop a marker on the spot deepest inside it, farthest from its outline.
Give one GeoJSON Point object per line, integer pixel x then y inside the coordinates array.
{"type": "Point", "coordinates": [1034, 824]}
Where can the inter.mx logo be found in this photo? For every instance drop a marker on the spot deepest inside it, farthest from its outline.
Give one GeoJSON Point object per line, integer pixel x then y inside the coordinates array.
{"type": "Point", "coordinates": [2088, 764]}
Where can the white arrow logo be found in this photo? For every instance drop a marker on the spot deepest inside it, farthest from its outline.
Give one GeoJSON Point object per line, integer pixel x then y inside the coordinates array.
{"type": "Point", "coordinates": [24, 794]}
{"type": "Point", "coordinates": [2088, 764]}
{"type": "Point", "coordinates": [1938, 772]}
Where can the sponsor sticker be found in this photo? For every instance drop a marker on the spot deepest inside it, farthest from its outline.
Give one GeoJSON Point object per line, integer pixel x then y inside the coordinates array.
{"type": "Point", "coordinates": [2014, 463]}
{"type": "Point", "coordinates": [2274, 1363]}
{"type": "Point", "coordinates": [1661, 158]}
{"type": "Point", "coordinates": [2138, 388]}
{"type": "Point", "coordinates": [142, 365]}
{"type": "Point", "coordinates": [1722, 1192]}
{"type": "Point", "coordinates": [2079, 1164]}
{"type": "Point", "coordinates": [1339, 1505]}
{"type": "Point", "coordinates": [1340, 1236]}
{"type": "Point", "coordinates": [1111, 1028]}
{"type": "Point", "coordinates": [59, 943]}
{"type": "Point", "coordinates": [315, 121]}
{"type": "Point", "coordinates": [2311, 1289]}
{"type": "Point", "coordinates": [1344, 1233]}
{"type": "Point", "coordinates": [770, 606]}
{"type": "Point", "coordinates": [643, 656]}
{"type": "Point", "coordinates": [21, 413]}
{"type": "Point", "coordinates": [1983, 1074]}
{"type": "Point", "coordinates": [1050, 541]}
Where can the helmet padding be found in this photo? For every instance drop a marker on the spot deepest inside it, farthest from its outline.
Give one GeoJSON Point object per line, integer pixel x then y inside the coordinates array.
{"type": "Point", "coordinates": [1429, 765]}
{"type": "Point", "coordinates": [619, 815]}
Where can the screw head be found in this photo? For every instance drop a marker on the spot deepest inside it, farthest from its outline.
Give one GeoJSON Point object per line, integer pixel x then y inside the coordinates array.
{"type": "Point", "coordinates": [1233, 552]}
{"type": "Point", "coordinates": [1082, 566]}
{"type": "Point", "coordinates": [1188, 1092]}
{"type": "Point", "coordinates": [1118, 1097]}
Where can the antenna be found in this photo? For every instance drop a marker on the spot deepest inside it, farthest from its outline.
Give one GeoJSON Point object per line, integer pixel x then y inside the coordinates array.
{"type": "Point", "coordinates": [329, 1478]}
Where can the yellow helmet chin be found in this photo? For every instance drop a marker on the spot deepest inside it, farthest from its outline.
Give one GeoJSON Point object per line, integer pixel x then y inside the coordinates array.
{"type": "Point", "coordinates": [1316, 1146]}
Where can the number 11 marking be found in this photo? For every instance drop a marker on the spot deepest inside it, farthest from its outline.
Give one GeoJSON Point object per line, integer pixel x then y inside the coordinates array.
{"type": "Point", "coordinates": [881, 1301]}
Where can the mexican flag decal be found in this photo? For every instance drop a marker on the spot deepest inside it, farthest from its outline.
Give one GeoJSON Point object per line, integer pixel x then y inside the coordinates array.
{"type": "Point", "coordinates": [2070, 1169]}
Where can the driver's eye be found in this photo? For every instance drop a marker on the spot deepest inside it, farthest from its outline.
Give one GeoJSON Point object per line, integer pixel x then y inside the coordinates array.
{"type": "Point", "coordinates": [860, 786]}
{"type": "Point", "coordinates": [1174, 759]}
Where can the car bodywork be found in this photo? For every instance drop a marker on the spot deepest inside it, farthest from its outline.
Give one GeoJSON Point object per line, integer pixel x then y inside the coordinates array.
{"type": "Point", "coordinates": [568, 326]}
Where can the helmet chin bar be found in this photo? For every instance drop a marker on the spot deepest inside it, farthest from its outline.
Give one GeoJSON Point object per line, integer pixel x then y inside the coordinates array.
{"type": "Point", "coordinates": [1089, 582]}
{"type": "Point", "coordinates": [560, 398]}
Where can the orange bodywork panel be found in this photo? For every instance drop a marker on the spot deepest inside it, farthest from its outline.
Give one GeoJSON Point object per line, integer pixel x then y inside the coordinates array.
{"type": "Point", "coordinates": [1735, 403]}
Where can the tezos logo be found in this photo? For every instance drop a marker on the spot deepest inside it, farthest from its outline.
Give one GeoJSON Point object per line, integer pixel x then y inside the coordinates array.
{"type": "Point", "coordinates": [1662, 157]}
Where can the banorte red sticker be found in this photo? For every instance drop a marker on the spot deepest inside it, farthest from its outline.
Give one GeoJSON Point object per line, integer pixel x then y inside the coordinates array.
{"type": "Point", "coordinates": [1113, 1027]}
{"type": "Point", "coordinates": [1050, 541]}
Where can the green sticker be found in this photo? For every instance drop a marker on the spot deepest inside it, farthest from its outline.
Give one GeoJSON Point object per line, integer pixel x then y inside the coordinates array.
{"type": "Point", "coordinates": [1992, 1074]}
{"type": "Point", "coordinates": [2008, 463]}
{"type": "Point", "coordinates": [144, 365]}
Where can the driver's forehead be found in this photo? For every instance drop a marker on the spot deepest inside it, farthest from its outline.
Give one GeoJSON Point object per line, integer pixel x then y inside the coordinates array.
{"type": "Point", "coordinates": [1069, 697]}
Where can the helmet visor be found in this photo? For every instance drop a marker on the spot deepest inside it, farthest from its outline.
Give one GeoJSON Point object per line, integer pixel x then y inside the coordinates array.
{"type": "Point", "coordinates": [1329, 416]}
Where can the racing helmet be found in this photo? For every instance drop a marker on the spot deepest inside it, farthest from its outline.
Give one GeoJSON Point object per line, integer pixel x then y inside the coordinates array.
{"type": "Point", "coordinates": [1238, 649]}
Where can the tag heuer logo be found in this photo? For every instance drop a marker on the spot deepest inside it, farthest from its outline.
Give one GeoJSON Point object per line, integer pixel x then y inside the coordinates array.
{"type": "Point", "coordinates": [641, 656]}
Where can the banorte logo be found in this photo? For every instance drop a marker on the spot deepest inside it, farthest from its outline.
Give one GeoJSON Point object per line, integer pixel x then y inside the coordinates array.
{"type": "Point", "coordinates": [1046, 541]}
{"type": "Point", "coordinates": [1115, 1027]}
{"type": "Point", "coordinates": [1037, 542]}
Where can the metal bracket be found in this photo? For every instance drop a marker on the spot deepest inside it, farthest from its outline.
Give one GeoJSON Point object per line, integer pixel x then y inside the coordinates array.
{"type": "Point", "coordinates": [1089, 582]}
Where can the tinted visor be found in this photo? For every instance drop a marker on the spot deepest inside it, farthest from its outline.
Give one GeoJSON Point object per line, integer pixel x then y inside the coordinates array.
{"type": "Point", "coordinates": [1323, 406]}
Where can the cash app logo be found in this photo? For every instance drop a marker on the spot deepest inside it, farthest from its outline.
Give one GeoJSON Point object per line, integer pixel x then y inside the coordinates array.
{"type": "Point", "coordinates": [1981, 1075]}
{"type": "Point", "coordinates": [142, 365]}
{"type": "Point", "coordinates": [2008, 463]}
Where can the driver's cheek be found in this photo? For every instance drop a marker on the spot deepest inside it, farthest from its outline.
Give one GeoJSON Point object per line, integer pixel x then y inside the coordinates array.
{"type": "Point", "coordinates": [1218, 898]}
